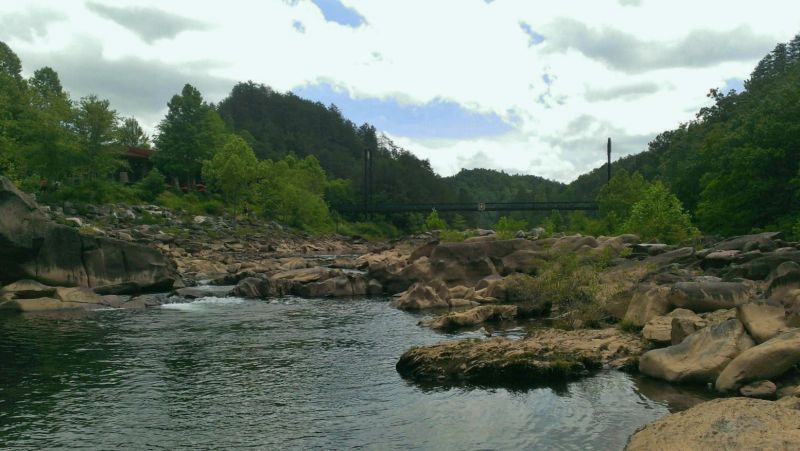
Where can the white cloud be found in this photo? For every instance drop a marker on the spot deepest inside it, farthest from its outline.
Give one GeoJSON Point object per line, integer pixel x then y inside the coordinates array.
{"type": "Point", "coordinates": [467, 51]}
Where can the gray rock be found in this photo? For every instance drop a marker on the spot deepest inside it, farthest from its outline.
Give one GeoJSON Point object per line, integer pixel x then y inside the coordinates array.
{"type": "Point", "coordinates": [701, 357]}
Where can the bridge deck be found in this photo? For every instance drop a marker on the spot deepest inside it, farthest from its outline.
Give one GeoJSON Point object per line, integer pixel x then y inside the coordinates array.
{"type": "Point", "coordinates": [476, 206]}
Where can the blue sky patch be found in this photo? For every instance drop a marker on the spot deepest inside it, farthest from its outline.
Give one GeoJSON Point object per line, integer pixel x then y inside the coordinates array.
{"type": "Point", "coordinates": [437, 119]}
{"type": "Point", "coordinates": [299, 26]}
{"type": "Point", "coordinates": [534, 38]}
{"type": "Point", "coordinates": [335, 11]}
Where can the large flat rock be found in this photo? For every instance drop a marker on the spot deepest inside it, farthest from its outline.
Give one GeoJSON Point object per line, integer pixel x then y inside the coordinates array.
{"type": "Point", "coordinates": [546, 355]}
{"type": "Point", "coordinates": [723, 424]}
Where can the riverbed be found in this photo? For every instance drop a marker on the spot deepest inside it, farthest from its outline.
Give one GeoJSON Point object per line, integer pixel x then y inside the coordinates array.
{"type": "Point", "coordinates": [287, 373]}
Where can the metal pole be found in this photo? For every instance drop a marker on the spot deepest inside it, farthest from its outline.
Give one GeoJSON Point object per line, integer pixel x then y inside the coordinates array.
{"type": "Point", "coordinates": [371, 180]}
{"type": "Point", "coordinates": [366, 179]}
{"type": "Point", "coordinates": [608, 148]}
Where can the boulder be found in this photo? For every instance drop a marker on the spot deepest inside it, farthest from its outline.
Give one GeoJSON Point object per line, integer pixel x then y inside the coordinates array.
{"type": "Point", "coordinates": [718, 259]}
{"type": "Point", "coordinates": [472, 317]}
{"type": "Point", "coordinates": [785, 278]}
{"type": "Point", "coordinates": [39, 305]}
{"type": "Point", "coordinates": [791, 304]}
{"type": "Point", "coordinates": [709, 296]}
{"type": "Point", "coordinates": [259, 288]}
{"type": "Point", "coordinates": [493, 287]}
{"type": "Point", "coordinates": [682, 327]}
{"type": "Point", "coordinates": [740, 242]}
{"type": "Point", "coordinates": [36, 248]}
{"type": "Point", "coordinates": [466, 263]}
{"type": "Point", "coordinates": [759, 389]}
{"type": "Point", "coordinates": [659, 329]}
{"type": "Point", "coordinates": [765, 361]}
{"type": "Point", "coordinates": [79, 295]}
{"type": "Point", "coordinates": [523, 261]}
{"type": "Point", "coordinates": [680, 255]}
{"type": "Point", "coordinates": [307, 275]}
{"type": "Point", "coordinates": [374, 288]}
{"type": "Point", "coordinates": [220, 291]}
{"type": "Point", "coordinates": [423, 296]}
{"type": "Point", "coordinates": [347, 285]}
{"type": "Point", "coordinates": [145, 301]}
{"type": "Point", "coordinates": [700, 357]}
{"type": "Point", "coordinates": [423, 251]}
{"type": "Point", "coordinates": [396, 282]}
{"type": "Point", "coordinates": [647, 303]}
{"type": "Point", "coordinates": [760, 268]}
{"type": "Point", "coordinates": [722, 424]}
{"type": "Point", "coordinates": [762, 319]}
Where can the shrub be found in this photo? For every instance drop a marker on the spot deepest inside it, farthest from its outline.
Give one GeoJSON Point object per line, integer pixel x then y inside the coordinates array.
{"type": "Point", "coordinates": [455, 235]}
{"type": "Point", "coordinates": [151, 185]}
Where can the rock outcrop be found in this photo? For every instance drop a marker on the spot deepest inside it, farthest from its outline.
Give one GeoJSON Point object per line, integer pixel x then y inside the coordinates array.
{"type": "Point", "coordinates": [36, 248]}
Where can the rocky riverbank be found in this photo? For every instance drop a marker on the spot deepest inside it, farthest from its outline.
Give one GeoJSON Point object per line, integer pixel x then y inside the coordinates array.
{"type": "Point", "coordinates": [723, 314]}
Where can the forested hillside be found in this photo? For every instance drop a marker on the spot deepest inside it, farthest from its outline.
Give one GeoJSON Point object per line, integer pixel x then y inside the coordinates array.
{"type": "Point", "coordinates": [734, 168]}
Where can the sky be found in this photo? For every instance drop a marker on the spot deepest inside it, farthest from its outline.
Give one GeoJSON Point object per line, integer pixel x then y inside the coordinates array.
{"type": "Point", "coordinates": [524, 86]}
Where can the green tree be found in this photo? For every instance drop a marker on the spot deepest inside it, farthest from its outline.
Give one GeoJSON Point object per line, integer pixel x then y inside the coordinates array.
{"type": "Point", "coordinates": [131, 134]}
{"type": "Point", "coordinates": [48, 147]}
{"type": "Point", "coordinates": [659, 215]}
{"type": "Point", "coordinates": [95, 125]}
{"type": "Point", "coordinates": [434, 222]}
{"type": "Point", "coordinates": [292, 190]}
{"type": "Point", "coordinates": [12, 101]}
{"type": "Point", "coordinates": [10, 64]}
{"type": "Point", "coordinates": [189, 134]}
{"type": "Point", "coordinates": [459, 223]}
{"type": "Point", "coordinates": [509, 225]}
{"type": "Point", "coordinates": [233, 170]}
{"type": "Point", "coordinates": [621, 193]}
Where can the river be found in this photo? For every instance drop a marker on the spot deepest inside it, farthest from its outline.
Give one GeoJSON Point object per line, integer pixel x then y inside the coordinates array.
{"type": "Point", "coordinates": [286, 373]}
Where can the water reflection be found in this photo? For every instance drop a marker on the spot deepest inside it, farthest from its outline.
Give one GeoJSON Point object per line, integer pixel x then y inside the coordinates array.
{"type": "Point", "coordinates": [287, 373]}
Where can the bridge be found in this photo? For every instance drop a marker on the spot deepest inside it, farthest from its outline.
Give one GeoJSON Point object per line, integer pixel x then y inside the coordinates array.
{"type": "Point", "coordinates": [369, 207]}
{"type": "Point", "coordinates": [474, 206]}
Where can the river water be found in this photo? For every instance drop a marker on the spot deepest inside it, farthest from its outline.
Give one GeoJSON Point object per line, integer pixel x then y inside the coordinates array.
{"type": "Point", "coordinates": [289, 373]}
